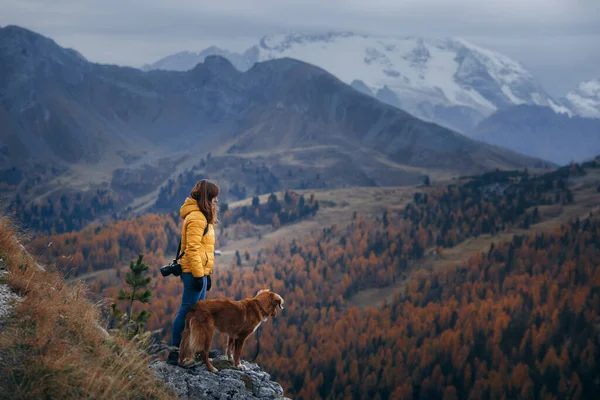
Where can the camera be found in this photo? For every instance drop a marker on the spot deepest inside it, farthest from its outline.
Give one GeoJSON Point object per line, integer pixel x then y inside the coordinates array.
{"type": "Point", "coordinates": [172, 268]}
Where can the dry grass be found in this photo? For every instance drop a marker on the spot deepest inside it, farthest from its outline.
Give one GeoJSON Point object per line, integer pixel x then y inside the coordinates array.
{"type": "Point", "coordinates": [53, 347]}
{"type": "Point", "coordinates": [337, 207]}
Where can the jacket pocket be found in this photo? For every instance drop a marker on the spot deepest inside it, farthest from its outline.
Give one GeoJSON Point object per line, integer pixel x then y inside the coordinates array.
{"type": "Point", "coordinates": [210, 261]}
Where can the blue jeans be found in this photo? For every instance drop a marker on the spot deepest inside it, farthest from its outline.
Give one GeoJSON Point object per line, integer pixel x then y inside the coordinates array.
{"type": "Point", "coordinates": [189, 298]}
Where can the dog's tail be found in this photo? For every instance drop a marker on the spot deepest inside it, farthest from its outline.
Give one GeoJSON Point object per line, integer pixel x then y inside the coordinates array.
{"type": "Point", "coordinates": [192, 340]}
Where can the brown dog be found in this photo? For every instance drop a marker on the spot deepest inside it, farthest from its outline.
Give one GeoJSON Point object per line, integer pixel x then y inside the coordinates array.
{"type": "Point", "coordinates": [236, 319]}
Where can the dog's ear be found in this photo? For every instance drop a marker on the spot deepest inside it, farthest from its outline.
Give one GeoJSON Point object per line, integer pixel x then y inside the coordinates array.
{"type": "Point", "coordinates": [261, 291]}
{"type": "Point", "coordinates": [277, 300]}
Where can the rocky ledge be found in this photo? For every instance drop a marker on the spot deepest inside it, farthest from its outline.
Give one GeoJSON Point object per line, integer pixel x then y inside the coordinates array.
{"type": "Point", "coordinates": [7, 297]}
{"type": "Point", "coordinates": [228, 383]}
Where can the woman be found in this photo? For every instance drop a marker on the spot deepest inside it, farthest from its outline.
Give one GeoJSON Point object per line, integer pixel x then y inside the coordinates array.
{"type": "Point", "coordinates": [199, 211]}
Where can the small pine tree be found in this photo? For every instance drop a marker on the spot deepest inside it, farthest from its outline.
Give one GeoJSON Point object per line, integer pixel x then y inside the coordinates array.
{"type": "Point", "coordinates": [427, 182]}
{"type": "Point", "coordinates": [386, 219]}
{"type": "Point", "coordinates": [276, 222]}
{"type": "Point", "coordinates": [287, 198]}
{"type": "Point", "coordinates": [134, 323]}
{"type": "Point", "coordinates": [238, 258]}
{"type": "Point", "coordinates": [315, 207]}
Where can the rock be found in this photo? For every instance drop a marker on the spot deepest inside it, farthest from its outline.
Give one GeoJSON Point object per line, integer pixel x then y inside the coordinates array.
{"type": "Point", "coordinates": [228, 383]}
{"type": "Point", "coordinates": [7, 297]}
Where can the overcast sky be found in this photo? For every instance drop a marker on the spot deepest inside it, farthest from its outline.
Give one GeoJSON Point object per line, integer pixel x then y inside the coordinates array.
{"type": "Point", "coordinates": [557, 40]}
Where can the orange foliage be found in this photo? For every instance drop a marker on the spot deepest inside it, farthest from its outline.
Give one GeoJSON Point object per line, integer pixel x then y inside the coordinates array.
{"type": "Point", "coordinates": [517, 321]}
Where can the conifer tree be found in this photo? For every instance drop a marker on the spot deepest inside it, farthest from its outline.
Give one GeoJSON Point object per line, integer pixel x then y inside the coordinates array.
{"type": "Point", "coordinates": [138, 282]}
{"type": "Point", "coordinates": [238, 258]}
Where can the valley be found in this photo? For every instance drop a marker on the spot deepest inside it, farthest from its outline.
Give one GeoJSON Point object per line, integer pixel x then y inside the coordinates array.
{"type": "Point", "coordinates": [406, 276]}
{"type": "Point", "coordinates": [380, 257]}
{"type": "Point", "coordinates": [338, 208]}
{"type": "Point", "coordinates": [387, 265]}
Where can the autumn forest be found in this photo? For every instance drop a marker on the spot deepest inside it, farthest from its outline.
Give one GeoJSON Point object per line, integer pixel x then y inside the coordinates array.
{"type": "Point", "coordinates": [520, 319]}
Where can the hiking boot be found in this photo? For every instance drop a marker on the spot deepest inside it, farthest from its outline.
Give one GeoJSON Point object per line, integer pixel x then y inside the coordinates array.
{"type": "Point", "coordinates": [211, 354]}
{"type": "Point", "coordinates": [173, 357]}
{"type": "Point", "coordinates": [191, 364]}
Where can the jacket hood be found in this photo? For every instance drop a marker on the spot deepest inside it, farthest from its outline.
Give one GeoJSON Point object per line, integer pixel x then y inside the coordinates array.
{"type": "Point", "coordinates": [188, 206]}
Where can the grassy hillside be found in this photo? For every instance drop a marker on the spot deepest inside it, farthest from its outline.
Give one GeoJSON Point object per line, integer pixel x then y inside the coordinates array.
{"type": "Point", "coordinates": [54, 346]}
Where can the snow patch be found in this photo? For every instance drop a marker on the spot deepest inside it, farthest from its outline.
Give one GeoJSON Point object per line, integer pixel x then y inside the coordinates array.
{"type": "Point", "coordinates": [585, 99]}
{"type": "Point", "coordinates": [514, 99]}
{"type": "Point", "coordinates": [560, 109]}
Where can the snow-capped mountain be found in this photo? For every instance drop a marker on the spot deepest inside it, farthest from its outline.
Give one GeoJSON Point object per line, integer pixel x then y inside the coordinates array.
{"type": "Point", "coordinates": [448, 81]}
{"type": "Point", "coordinates": [585, 99]}
{"type": "Point", "coordinates": [186, 60]}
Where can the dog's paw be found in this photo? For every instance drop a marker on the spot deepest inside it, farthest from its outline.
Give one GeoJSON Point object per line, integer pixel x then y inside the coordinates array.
{"type": "Point", "coordinates": [213, 369]}
{"type": "Point", "coordinates": [241, 367]}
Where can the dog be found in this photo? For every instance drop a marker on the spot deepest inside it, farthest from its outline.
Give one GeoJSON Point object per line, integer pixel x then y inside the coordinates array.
{"type": "Point", "coordinates": [236, 319]}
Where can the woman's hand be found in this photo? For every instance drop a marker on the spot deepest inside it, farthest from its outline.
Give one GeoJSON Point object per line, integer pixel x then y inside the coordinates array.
{"type": "Point", "coordinates": [208, 282]}
{"type": "Point", "coordinates": [198, 284]}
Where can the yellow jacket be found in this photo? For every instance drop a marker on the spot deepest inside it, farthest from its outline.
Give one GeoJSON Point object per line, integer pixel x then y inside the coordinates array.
{"type": "Point", "coordinates": [199, 250]}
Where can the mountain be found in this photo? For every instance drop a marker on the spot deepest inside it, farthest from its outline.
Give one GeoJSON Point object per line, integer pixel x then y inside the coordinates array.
{"type": "Point", "coordinates": [448, 81]}
{"type": "Point", "coordinates": [57, 105]}
{"type": "Point", "coordinates": [585, 99]}
{"type": "Point", "coordinates": [122, 133]}
{"type": "Point", "coordinates": [185, 60]}
{"type": "Point", "coordinates": [541, 132]}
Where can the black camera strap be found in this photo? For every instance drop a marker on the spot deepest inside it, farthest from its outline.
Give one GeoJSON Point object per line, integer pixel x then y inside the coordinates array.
{"type": "Point", "coordinates": [179, 255]}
